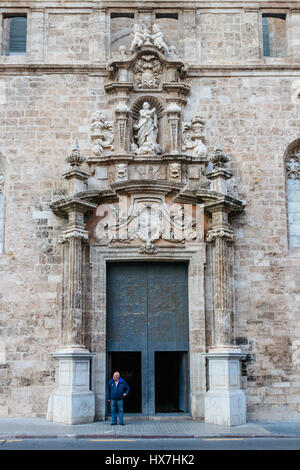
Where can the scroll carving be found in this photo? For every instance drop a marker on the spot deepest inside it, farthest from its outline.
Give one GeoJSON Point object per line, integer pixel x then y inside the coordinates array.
{"type": "Point", "coordinates": [102, 133]}
{"type": "Point", "coordinates": [193, 137]}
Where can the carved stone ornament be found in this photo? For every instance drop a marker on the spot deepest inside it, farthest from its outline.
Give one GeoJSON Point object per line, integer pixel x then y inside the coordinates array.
{"type": "Point", "coordinates": [143, 37]}
{"type": "Point", "coordinates": [75, 233]}
{"type": "Point", "coordinates": [220, 232]}
{"type": "Point", "coordinates": [147, 71]}
{"type": "Point", "coordinates": [219, 159]}
{"type": "Point", "coordinates": [121, 172]}
{"type": "Point", "coordinates": [75, 159]}
{"type": "Point", "coordinates": [193, 137]}
{"type": "Point", "coordinates": [102, 133]}
{"type": "Point", "coordinates": [146, 220]}
{"type": "Point", "coordinates": [175, 171]}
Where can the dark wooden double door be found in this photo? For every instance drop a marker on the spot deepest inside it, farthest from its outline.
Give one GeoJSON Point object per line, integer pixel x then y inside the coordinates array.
{"type": "Point", "coordinates": [147, 334]}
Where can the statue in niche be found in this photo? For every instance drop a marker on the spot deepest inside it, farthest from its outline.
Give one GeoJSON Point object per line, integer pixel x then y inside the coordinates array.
{"type": "Point", "coordinates": [146, 131]}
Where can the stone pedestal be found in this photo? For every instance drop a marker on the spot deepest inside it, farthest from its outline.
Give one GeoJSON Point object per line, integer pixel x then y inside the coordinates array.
{"type": "Point", "coordinates": [72, 401]}
{"type": "Point", "coordinates": [225, 402]}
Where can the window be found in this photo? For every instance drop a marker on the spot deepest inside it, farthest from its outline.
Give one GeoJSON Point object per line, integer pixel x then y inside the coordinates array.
{"type": "Point", "coordinates": [1, 211]}
{"type": "Point", "coordinates": [122, 15]}
{"type": "Point", "coordinates": [292, 168]}
{"type": "Point", "coordinates": [274, 34]}
{"type": "Point", "coordinates": [173, 16]}
{"type": "Point", "coordinates": [14, 35]}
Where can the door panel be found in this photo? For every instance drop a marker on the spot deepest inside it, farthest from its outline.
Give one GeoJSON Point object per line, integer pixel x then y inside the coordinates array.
{"type": "Point", "coordinates": [147, 311]}
{"type": "Point", "coordinates": [167, 306]}
{"type": "Point", "coordinates": [126, 307]}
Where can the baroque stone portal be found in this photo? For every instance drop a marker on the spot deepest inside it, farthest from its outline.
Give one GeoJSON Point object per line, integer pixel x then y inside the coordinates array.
{"type": "Point", "coordinates": [147, 195]}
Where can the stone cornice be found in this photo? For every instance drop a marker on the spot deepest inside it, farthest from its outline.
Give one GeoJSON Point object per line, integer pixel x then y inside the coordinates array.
{"type": "Point", "coordinates": [146, 158]}
{"type": "Point", "coordinates": [87, 201]}
{"type": "Point", "coordinates": [153, 5]}
{"type": "Point", "coordinates": [63, 206]}
{"type": "Point", "coordinates": [194, 70]}
{"type": "Point", "coordinates": [226, 203]}
{"type": "Point", "coordinates": [148, 186]}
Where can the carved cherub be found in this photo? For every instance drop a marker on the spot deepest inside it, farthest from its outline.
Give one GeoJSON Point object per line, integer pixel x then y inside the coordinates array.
{"type": "Point", "coordinates": [158, 40]}
{"type": "Point", "coordinates": [138, 37]}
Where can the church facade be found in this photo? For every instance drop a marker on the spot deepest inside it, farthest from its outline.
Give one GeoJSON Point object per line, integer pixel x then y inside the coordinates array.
{"type": "Point", "coordinates": [150, 209]}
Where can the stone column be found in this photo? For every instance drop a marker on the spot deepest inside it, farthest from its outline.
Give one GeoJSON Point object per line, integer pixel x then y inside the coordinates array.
{"type": "Point", "coordinates": [35, 36]}
{"type": "Point", "coordinates": [221, 235]}
{"type": "Point", "coordinates": [189, 35]}
{"type": "Point", "coordinates": [293, 35]}
{"type": "Point", "coordinates": [225, 402]}
{"type": "Point", "coordinates": [251, 35]}
{"type": "Point", "coordinates": [122, 116]}
{"type": "Point", "coordinates": [173, 112]}
{"type": "Point", "coordinates": [98, 36]}
{"type": "Point", "coordinates": [72, 401]}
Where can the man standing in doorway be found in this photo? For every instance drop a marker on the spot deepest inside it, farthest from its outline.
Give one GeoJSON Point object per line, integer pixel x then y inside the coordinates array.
{"type": "Point", "coordinates": [117, 389]}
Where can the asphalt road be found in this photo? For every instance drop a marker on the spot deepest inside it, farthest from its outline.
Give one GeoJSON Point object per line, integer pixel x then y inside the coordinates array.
{"type": "Point", "coordinates": [152, 444]}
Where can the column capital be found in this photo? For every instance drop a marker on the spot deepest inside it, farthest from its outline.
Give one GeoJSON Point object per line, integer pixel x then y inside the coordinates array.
{"type": "Point", "coordinates": [225, 232]}
{"type": "Point", "coordinates": [75, 232]}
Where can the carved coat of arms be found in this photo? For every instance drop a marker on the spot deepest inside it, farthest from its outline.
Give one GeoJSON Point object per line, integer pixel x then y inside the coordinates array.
{"type": "Point", "coordinates": [147, 71]}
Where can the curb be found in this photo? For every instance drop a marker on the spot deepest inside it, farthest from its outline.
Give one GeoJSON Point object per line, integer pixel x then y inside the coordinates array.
{"type": "Point", "coordinates": [144, 436]}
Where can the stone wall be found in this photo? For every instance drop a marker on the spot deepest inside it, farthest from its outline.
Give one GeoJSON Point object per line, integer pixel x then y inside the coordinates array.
{"type": "Point", "coordinates": [253, 113]}
{"type": "Point", "coordinates": [225, 46]}
{"type": "Point", "coordinates": [68, 38]}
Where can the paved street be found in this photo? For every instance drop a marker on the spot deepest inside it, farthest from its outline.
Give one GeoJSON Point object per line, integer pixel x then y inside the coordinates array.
{"type": "Point", "coordinates": [228, 443]}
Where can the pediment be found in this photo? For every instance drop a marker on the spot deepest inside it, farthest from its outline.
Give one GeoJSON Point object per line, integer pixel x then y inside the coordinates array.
{"type": "Point", "coordinates": [146, 69]}
{"type": "Point", "coordinates": [127, 60]}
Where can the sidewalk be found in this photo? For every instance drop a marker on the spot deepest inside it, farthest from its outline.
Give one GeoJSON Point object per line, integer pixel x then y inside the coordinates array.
{"type": "Point", "coordinates": [183, 428]}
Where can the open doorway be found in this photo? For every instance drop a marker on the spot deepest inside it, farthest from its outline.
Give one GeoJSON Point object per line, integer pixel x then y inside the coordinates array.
{"type": "Point", "coordinates": [129, 366]}
{"type": "Point", "coordinates": [171, 382]}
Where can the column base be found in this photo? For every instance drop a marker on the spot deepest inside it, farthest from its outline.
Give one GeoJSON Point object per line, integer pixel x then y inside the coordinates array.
{"type": "Point", "coordinates": [72, 401]}
{"type": "Point", "coordinates": [225, 408]}
{"type": "Point", "coordinates": [73, 408]}
{"type": "Point", "coordinates": [225, 402]}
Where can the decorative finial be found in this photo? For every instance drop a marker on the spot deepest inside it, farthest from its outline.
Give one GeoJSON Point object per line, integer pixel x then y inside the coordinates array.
{"type": "Point", "coordinates": [219, 159]}
{"type": "Point", "coordinates": [75, 158]}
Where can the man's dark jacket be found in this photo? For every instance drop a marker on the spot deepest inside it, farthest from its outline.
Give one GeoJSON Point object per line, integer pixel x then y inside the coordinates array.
{"type": "Point", "coordinates": [116, 393]}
